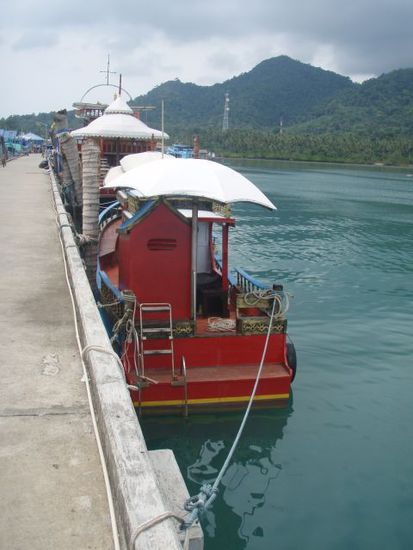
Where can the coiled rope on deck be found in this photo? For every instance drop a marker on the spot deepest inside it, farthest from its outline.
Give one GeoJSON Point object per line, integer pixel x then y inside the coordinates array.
{"type": "Point", "coordinates": [281, 298]}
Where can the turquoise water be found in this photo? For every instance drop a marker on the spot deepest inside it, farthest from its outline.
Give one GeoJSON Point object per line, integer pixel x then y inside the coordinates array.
{"type": "Point", "coordinates": [335, 469]}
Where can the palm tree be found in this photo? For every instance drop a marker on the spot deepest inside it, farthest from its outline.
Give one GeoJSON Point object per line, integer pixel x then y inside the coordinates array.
{"type": "Point", "coordinates": [90, 180]}
{"type": "Point", "coordinates": [70, 156]}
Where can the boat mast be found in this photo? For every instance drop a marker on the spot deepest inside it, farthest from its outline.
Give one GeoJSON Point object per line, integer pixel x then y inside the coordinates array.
{"type": "Point", "coordinates": [194, 259]}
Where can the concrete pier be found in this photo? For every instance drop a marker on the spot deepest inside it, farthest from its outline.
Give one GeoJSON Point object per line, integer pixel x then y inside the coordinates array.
{"type": "Point", "coordinates": [53, 492]}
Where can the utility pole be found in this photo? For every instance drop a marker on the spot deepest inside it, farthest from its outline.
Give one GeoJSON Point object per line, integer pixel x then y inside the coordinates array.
{"type": "Point", "coordinates": [225, 122]}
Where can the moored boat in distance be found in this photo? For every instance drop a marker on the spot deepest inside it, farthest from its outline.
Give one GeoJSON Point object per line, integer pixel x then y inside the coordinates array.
{"type": "Point", "coordinates": [190, 333]}
{"type": "Point", "coordinates": [180, 151]}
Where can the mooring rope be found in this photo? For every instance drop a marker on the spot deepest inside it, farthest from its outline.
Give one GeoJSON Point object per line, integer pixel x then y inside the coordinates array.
{"type": "Point", "coordinates": [154, 521]}
{"type": "Point", "coordinates": [199, 503]}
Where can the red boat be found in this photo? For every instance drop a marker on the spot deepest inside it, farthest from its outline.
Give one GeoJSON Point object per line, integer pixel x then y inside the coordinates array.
{"type": "Point", "coordinates": [190, 333]}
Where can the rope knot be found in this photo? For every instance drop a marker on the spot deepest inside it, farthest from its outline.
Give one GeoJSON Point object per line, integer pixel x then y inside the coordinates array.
{"type": "Point", "coordinates": [197, 504]}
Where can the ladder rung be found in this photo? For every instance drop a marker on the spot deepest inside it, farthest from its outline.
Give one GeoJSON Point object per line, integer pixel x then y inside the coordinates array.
{"type": "Point", "coordinates": [158, 352]}
{"type": "Point", "coordinates": [155, 308]}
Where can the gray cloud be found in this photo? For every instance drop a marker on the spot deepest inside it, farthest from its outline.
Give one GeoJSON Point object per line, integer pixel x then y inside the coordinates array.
{"type": "Point", "coordinates": [206, 42]}
{"type": "Point", "coordinates": [35, 39]}
{"type": "Point", "coordinates": [368, 29]}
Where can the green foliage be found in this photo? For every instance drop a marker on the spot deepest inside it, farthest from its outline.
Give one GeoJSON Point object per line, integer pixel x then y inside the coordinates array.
{"type": "Point", "coordinates": [381, 107]}
{"type": "Point", "coordinates": [349, 148]}
{"type": "Point", "coordinates": [325, 116]}
{"type": "Point", "coordinates": [35, 123]}
{"type": "Point", "coordinates": [278, 88]}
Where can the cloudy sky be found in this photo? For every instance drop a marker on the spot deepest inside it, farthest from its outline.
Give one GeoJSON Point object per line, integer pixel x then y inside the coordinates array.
{"type": "Point", "coordinates": [53, 51]}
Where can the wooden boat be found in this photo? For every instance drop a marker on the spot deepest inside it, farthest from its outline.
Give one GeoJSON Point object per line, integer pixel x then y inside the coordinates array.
{"type": "Point", "coordinates": [190, 333]}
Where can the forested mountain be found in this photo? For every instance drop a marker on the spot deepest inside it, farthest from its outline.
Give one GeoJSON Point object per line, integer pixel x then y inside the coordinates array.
{"type": "Point", "coordinates": [325, 116]}
{"type": "Point", "coordinates": [278, 88]}
{"type": "Point", "coordinates": [379, 107]}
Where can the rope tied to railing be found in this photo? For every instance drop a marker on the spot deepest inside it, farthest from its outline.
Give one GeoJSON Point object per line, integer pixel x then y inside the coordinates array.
{"type": "Point", "coordinates": [280, 297]}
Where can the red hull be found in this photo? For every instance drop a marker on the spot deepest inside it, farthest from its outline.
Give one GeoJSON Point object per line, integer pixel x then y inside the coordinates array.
{"type": "Point", "coordinates": [228, 383]}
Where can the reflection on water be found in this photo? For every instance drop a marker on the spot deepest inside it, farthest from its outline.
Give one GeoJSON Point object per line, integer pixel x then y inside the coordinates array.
{"type": "Point", "coordinates": [201, 444]}
{"type": "Point", "coordinates": [335, 473]}
{"type": "Point", "coordinates": [245, 488]}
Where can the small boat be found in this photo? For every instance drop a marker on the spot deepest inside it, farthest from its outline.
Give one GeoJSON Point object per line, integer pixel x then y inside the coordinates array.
{"type": "Point", "coordinates": [180, 151]}
{"type": "Point", "coordinates": [190, 333]}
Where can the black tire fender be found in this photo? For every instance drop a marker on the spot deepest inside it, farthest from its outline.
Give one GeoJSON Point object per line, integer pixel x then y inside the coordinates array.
{"type": "Point", "coordinates": [291, 356]}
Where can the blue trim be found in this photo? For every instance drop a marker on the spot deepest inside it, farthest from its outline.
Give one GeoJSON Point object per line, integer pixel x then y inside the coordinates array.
{"type": "Point", "coordinates": [139, 214]}
{"type": "Point", "coordinates": [250, 279]}
{"type": "Point", "coordinates": [110, 285]}
{"type": "Point", "coordinates": [98, 275]}
{"type": "Point", "coordinates": [232, 280]}
{"type": "Point", "coordinates": [107, 210]}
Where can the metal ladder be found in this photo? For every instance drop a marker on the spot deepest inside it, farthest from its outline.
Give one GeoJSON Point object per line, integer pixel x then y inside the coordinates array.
{"type": "Point", "coordinates": [152, 331]}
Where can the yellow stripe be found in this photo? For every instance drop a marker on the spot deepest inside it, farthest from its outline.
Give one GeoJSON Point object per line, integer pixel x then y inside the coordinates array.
{"type": "Point", "coordinates": [212, 401]}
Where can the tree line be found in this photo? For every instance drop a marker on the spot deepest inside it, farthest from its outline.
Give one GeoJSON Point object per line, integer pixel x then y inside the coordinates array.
{"type": "Point", "coordinates": [346, 148]}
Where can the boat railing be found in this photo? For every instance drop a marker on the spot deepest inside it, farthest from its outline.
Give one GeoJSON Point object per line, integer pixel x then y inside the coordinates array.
{"type": "Point", "coordinates": [108, 214]}
{"type": "Point", "coordinates": [246, 283]}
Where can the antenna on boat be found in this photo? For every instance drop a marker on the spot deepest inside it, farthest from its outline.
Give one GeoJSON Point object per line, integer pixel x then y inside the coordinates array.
{"type": "Point", "coordinates": [108, 71]}
{"type": "Point", "coordinates": [120, 84]}
{"type": "Point", "coordinates": [162, 127]}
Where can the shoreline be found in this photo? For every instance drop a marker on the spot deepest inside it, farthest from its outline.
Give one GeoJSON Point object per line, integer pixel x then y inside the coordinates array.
{"type": "Point", "coordinates": [322, 162]}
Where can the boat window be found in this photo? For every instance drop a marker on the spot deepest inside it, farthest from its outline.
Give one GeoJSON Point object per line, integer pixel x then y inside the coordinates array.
{"type": "Point", "coordinates": [161, 244]}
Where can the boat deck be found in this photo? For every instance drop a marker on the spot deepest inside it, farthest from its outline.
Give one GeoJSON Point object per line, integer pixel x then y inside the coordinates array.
{"type": "Point", "coordinates": [221, 374]}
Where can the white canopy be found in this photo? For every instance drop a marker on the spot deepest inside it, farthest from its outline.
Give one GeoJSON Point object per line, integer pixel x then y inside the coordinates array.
{"type": "Point", "coordinates": [112, 174]}
{"type": "Point", "coordinates": [129, 162]}
{"type": "Point", "coordinates": [118, 121]}
{"type": "Point", "coordinates": [191, 178]}
{"type": "Point", "coordinates": [133, 161]}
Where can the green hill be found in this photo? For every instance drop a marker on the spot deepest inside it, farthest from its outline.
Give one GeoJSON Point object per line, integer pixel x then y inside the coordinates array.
{"type": "Point", "coordinates": [276, 88]}
{"type": "Point", "coordinates": [325, 115]}
{"type": "Point", "coordinates": [380, 107]}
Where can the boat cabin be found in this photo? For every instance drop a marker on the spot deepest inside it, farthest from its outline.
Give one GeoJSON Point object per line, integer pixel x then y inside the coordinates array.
{"type": "Point", "coordinates": [161, 230]}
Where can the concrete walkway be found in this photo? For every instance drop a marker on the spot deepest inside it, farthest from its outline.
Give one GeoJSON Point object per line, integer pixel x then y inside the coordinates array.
{"type": "Point", "coordinates": [52, 491]}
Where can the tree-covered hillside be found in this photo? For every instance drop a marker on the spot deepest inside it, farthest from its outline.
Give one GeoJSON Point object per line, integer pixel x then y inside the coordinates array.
{"type": "Point", "coordinates": [278, 88]}
{"type": "Point", "coordinates": [325, 116]}
{"type": "Point", "coordinates": [37, 124]}
{"type": "Point", "coordinates": [379, 107]}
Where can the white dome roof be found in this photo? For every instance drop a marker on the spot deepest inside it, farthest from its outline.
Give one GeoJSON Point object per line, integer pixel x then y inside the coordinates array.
{"type": "Point", "coordinates": [119, 107]}
{"type": "Point", "coordinates": [118, 121]}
